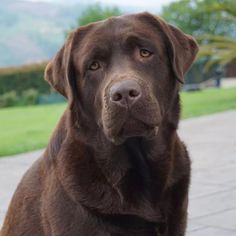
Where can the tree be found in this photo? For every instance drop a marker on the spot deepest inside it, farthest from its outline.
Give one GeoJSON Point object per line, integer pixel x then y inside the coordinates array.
{"type": "Point", "coordinates": [196, 17]}
{"type": "Point", "coordinates": [220, 49]}
{"type": "Point", "coordinates": [96, 13]}
{"type": "Point", "coordinates": [211, 22]}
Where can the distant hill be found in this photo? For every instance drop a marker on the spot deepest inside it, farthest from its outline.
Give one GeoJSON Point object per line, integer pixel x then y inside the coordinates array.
{"type": "Point", "coordinates": [33, 31]}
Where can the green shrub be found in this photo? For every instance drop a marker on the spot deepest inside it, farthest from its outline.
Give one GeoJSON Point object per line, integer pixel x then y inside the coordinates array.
{"type": "Point", "coordinates": [29, 97]}
{"type": "Point", "coordinates": [23, 78]}
{"type": "Point", "coordinates": [28, 85]}
{"type": "Point", "coordinates": [8, 99]}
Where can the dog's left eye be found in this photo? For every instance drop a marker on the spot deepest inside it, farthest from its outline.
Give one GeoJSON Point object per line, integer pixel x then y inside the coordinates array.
{"type": "Point", "coordinates": [94, 66]}
{"type": "Point", "coordinates": [145, 53]}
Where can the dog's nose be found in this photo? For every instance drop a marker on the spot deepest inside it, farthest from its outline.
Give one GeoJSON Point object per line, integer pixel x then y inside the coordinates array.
{"type": "Point", "coordinates": [125, 93]}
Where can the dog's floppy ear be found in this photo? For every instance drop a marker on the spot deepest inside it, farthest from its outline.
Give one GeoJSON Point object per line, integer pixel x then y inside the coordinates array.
{"type": "Point", "coordinates": [182, 48]}
{"type": "Point", "coordinates": [59, 69]}
{"type": "Point", "coordinates": [183, 51]}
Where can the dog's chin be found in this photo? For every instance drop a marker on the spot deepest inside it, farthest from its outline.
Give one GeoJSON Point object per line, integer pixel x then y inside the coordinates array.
{"type": "Point", "coordinates": [130, 129]}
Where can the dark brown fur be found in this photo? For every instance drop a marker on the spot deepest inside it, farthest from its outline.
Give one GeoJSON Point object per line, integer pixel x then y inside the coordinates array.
{"type": "Point", "coordinates": [106, 170]}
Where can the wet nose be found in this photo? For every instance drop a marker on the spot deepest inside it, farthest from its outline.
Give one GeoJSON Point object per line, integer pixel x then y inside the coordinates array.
{"type": "Point", "coordinates": [125, 93]}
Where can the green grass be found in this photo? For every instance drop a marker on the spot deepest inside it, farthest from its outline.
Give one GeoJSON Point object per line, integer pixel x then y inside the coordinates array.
{"type": "Point", "coordinates": [29, 128]}
{"type": "Point", "coordinates": [207, 102]}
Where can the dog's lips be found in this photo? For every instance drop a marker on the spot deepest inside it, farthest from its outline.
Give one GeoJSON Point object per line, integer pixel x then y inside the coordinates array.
{"type": "Point", "coordinates": [132, 127]}
{"type": "Point", "coordinates": [140, 120]}
{"type": "Point", "coordinates": [135, 128]}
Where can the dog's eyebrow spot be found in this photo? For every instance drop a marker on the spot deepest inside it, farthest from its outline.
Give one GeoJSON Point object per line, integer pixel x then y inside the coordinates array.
{"type": "Point", "coordinates": [95, 53]}
{"type": "Point", "coordinates": [137, 40]}
{"type": "Point", "coordinates": [96, 50]}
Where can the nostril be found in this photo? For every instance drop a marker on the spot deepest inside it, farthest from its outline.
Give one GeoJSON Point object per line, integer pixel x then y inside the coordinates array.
{"type": "Point", "coordinates": [133, 93]}
{"type": "Point", "coordinates": [116, 97]}
{"type": "Point", "coordinates": [125, 93]}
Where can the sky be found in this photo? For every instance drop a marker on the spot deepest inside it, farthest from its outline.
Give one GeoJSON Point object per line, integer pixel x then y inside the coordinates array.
{"type": "Point", "coordinates": [148, 3]}
{"type": "Point", "coordinates": [138, 4]}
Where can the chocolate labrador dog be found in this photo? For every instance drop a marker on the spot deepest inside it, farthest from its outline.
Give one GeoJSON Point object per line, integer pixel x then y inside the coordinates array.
{"type": "Point", "coordinates": [115, 165]}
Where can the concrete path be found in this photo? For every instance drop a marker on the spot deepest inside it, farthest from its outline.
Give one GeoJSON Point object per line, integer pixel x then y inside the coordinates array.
{"type": "Point", "coordinates": [211, 141]}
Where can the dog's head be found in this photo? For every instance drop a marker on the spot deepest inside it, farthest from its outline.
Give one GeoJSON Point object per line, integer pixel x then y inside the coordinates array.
{"type": "Point", "coordinates": [123, 73]}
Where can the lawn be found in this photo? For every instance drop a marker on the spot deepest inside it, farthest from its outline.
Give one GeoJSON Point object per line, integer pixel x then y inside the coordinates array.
{"type": "Point", "coordinates": [28, 128]}
{"type": "Point", "coordinates": [207, 102]}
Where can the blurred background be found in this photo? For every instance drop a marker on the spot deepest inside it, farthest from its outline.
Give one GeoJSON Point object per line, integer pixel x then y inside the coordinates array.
{"type": "Point", "coordinates": [32, 31]}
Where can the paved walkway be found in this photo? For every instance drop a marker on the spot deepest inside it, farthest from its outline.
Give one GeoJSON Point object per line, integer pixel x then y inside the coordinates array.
{"type": "Point", "coordinates": [212, 144]}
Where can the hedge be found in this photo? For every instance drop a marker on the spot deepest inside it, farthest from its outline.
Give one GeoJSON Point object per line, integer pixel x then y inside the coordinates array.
{"type": "Point", "coordinates": [28, 97]}
{"type": "Point", "coordinates": [20, 79]}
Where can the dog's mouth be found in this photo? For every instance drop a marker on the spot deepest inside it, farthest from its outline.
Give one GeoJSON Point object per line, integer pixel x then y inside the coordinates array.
{"type": "Point", "coordinates": [132, 127]}
{"type": "Point", "coordinates": [139, 117]}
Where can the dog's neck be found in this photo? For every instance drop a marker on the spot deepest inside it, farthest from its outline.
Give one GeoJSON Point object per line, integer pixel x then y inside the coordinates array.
{"type": "Point", "coordinates": [114, 160]}
{"type": "Point", "coordinates": [116, 166]}
{"type": "Point", "coordinates": [120, 180]}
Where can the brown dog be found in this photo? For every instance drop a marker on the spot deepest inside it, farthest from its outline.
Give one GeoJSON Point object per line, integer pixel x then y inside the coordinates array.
{"type": "Point", "coordinates": [115, 165]}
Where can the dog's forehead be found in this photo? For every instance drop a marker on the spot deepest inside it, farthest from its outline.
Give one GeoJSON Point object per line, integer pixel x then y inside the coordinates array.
{"type": "Point", "coordinates": [104, 36]}
{"type": "Point", "coordinates": [115, 28]}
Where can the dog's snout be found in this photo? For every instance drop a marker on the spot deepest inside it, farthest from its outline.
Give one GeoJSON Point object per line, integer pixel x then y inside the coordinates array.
{"type": "Point", "coordinates": [125, 93]}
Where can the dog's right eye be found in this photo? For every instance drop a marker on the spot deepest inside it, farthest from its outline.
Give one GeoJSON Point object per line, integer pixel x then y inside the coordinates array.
{"type": "Point", "coordinates": [94, 66]}
{"type": "Point", "coordinates": [145, 53]}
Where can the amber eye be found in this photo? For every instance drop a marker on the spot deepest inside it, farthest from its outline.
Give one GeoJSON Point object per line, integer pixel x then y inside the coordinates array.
{"type": "Point", "coordinates": [145, 53]}
{"type": "Point", "coordinates": [94, 65]}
